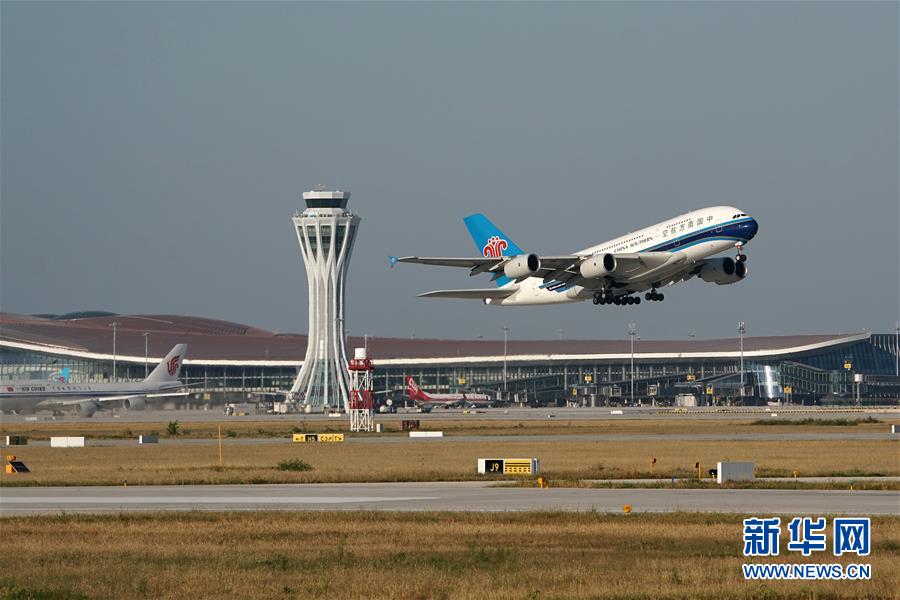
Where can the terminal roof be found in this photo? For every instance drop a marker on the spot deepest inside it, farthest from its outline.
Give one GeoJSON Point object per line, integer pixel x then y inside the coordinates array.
{"type": "Point", "coordinates": [223, 342]}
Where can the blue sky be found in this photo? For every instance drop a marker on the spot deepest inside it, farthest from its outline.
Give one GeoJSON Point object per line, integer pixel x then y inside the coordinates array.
{"type": "Point", "coordinates": [152, 154]}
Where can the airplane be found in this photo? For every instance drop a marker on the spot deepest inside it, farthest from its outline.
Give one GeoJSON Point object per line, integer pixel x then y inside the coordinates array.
{"type": "Point", "coordinates": [614, 272]}
{"type": "Point", "coordinates": [87, 398]}
{"type": "Point", "coordinates": [418, 395]}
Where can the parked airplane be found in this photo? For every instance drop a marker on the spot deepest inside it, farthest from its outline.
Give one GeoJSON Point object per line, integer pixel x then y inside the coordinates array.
{"type": "Point", "coordinates": [614, 272]}
{"type": "Point", "coordinates": [418, 395]}
{"type": "Point", "coordinates": [87, 398]}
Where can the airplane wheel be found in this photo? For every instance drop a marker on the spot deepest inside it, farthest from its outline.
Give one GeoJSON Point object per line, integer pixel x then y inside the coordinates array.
{"type": "Point", "coordinates": [660, 297]}
{"type": "Point", "coordinates": [742, 258]}
{"type": "Point", "coordinates": [648, 296]}
{"type": "Point", "coordinates": [596, 300]}
{"type": "Point", "coordinates": [637, 300]}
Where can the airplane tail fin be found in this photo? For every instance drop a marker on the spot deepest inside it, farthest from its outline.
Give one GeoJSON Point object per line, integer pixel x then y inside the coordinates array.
{"type": "Point", "coordinates": [415, 392]}
{"type": "Point", "coordinates": [490, 241]}
{"type": "Point", "coordinates": [169, 367]}
{"type": "Point", "coordinates": [63, 375]}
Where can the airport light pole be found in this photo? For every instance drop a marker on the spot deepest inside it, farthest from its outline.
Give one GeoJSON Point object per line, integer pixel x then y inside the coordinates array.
{"type": "Point", "coordinates": [897, 350]}
{"type": "Point", "coordinates": [146, 346]}
{"type": "Point", "coordinates": [632, 331]}
{"type": "Point", "coordinates": [505, 341]}
{"type": "Point", "coordinates": [742, 329]}
{"type": "Point", "coordinates": [114, 324]}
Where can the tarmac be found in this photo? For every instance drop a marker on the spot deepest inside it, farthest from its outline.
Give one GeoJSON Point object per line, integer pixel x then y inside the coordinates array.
{"type": "Point", "coordinates": [439, 496]}
{"type": "Point", "coordinates": [526, 414]}
{"type": "Point", "coordinates": [573, 438]}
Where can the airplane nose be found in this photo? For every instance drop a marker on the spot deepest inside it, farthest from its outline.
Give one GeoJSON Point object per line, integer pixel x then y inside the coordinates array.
{"type": "Point", "coordinates": [751, 228]}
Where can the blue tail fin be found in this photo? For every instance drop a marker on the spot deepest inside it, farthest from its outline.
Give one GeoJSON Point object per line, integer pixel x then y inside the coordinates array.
{"type": "Point", "coordinates": [490, 241]}
{"type": "Point", "coordinates": [63, 375]}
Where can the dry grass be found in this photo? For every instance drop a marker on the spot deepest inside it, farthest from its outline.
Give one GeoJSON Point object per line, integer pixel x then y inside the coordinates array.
{"type": "Point", "coordinates": [407, 556]}
{"type": "Point", "coordinates": [430, 460]}
{"type": "Point", "coordinates": [244, 427]}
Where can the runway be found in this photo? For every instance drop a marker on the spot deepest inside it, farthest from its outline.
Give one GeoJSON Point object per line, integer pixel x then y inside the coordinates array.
{"type": "Point", "coordinates": [441, 496]}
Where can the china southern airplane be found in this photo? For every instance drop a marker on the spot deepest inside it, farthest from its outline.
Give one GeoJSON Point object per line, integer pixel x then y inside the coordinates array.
{"type": "Point", "coordinates": [87, 398]}
{"type": "Point", "coordinates": [615, 272]}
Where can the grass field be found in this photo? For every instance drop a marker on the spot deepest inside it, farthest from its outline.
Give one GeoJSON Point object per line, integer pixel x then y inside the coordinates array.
{"type": "Point", "coordinates": [431, 460]}
{"type": "Point", "coordinates": [409, 556]}
{"type": "Point", "coordinates": [244, 427]}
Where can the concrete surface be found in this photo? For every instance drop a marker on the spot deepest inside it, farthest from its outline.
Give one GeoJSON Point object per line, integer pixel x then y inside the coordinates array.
{"type": "Point", "coordinates": [453, 496]}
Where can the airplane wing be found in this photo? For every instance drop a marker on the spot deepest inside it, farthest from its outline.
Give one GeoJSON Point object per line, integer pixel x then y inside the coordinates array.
{"type": "Point", "coordinates": [450, 261]}
{"type": "Point", "coordinates": [638, 267]}
{"type": "Point", "coordinates": [98, 400]}
{"type": "Point", "coordinates": [165, 395]}
{"type": "Point", "coordinates": [471, 294]}
{"type": "Point", "coordinates": [549, 264]}
{"type": "Point", "coordinates": [629, 267]}
{"type": "Point", "coordinates": [103, 399]}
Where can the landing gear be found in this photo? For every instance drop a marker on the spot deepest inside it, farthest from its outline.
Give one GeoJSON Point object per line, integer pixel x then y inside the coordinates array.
{"type": "Point", "coordinates": [741, 257]}
{"type": "Point", "coordinates": [626, 300]}
{"type": "Point", "coordinates": [654, 296]}
{"type": "Point", "coordinates": [605, 297]}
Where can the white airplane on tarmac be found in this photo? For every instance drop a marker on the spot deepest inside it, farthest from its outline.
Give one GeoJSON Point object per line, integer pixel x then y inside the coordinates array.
{"type": "Point", "coordinates": [87, 398]}
{"type": "Point", "coordinates": [614, 272]}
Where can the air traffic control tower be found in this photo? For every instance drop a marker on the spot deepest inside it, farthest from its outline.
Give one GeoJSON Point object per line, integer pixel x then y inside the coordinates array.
{"type": "Point", "coordinates": [326, 231]}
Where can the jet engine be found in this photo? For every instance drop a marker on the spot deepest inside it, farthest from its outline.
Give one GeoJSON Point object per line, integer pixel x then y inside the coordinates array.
{"type": "Point", "coordinates": [523, 265]}
{"type": "Point", "coordinates": [597, 266]}
{"type": "Point", "coordinates": [87, 408]}
{"type": "Point", "coordinates": [135, 403]}
{"type": "Point", "coordinates": [723, 271]}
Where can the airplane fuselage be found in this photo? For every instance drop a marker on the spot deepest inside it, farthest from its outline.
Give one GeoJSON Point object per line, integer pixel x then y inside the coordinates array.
{"type": "Point", "coordinates": [30, 395]}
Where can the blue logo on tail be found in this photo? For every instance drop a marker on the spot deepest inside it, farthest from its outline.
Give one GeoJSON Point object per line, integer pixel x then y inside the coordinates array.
{"type": "Point", "coordinates": [490, 241]}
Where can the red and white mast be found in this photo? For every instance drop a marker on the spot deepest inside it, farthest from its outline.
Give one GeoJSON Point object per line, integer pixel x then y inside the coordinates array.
{"type": "Point", "coordinates": [361, 402]}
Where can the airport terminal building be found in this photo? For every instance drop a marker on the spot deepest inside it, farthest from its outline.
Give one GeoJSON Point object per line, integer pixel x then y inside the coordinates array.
{"type": "Point", "coordinates": [231, 362]}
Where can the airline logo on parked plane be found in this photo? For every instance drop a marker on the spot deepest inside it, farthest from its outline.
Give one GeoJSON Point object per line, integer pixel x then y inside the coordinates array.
{"type": "Point", "coordinates": [172, 365]}
{"type": "Point", "coordinates": [494, 247]}
{"type": "Point", "coordinates": [413, 387]}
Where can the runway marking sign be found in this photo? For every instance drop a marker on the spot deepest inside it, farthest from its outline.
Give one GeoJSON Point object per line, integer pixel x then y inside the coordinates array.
{"type": "Point", "coordinates": [508, 466]}
{"type": "Point", "coordinates": [312, 438]}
